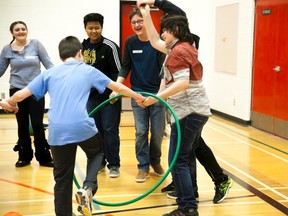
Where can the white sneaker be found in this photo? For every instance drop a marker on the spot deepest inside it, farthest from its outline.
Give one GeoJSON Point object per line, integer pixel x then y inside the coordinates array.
{"type": "Point", "coordinates": [84, 199]}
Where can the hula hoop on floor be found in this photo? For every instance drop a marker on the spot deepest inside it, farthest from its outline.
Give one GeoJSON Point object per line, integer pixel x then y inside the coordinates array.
{"type": "Point", "coordinates": [170, 167]}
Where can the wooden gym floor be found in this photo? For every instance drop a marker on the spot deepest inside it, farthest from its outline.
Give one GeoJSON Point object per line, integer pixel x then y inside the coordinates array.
{"type": "Point", "coordinates": [255, 160]}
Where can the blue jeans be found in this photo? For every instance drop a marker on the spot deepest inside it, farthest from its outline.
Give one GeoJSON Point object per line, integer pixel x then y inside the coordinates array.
{"type": "Point", "coordinates": [107, 121]}
{"type": "Point", "coordinates": [191, 128]}
{"type": "Point", "coordinates": [153, 116]}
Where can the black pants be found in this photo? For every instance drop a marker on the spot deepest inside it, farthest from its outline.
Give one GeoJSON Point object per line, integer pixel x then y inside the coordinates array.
{"type": "Point", "coordinates": [30, 108]}
{"type": "Point", "coordinates": [207, 159]}
{"type": "Point", "coordinates": [64, 162]}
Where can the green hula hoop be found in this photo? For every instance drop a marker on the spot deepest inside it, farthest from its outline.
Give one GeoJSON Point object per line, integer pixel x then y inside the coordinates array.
{"type": "Point", "coordinates": [170, 167]}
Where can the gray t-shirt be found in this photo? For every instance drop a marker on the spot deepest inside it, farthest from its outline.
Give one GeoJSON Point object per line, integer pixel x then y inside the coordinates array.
{"type": "Point", "coordinates": [25, 65]}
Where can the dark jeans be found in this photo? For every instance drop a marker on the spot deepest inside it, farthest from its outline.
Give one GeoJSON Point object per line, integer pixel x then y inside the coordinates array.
{"type": "Point", "coordinates": [207, 159]}
{"type": "Point", "coordinates": [35, 110]}
{"type": "Point", "coordinates": [64, 162]}
{"type": "Point", "coordinates": [107, 120]}
{"type": "Point", "coordinates": [191, 128]}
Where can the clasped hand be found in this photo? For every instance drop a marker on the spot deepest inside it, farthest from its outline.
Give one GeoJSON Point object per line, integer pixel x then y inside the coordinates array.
{"type": "Point", "coordinates": [8, 107]}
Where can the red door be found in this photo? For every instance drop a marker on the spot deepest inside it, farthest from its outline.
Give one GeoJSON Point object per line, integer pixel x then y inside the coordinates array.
{"type": "Point", "coordinates": [270, 70]}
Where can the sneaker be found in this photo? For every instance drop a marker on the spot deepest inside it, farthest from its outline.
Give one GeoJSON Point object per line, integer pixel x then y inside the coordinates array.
{"type": "Point", "coordinates": [169, 188]}
{"type": "Point", "coordinates": [173, 195]}
{"type": "Point", "coordinates": [158, 170]}
{"type": "Point", "coordinates": [84, 199]}
{"type": "Point", "coordinates": [22, 163]}
{"type": "Point", "coordinates": [221, 190]}
{"type": "Point", "coordinates": [178, 212]}
{"type": "Point", "coordinates": [142, 176]}
{"type": "Point", "coordinates": [114, 172]}
{"type": "Point", "coordinates": [102, 168]}
{"type": "Point", "coordinates": [47, 164]}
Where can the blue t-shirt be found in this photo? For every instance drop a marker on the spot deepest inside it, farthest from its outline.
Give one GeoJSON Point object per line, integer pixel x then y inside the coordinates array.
{"type": "Point", "coordinates": [69, 86]}
{"type": "Point", "coordinates": [145, 64]}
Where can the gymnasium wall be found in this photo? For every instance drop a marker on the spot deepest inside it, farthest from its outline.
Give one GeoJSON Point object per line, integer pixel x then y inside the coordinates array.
{"type": "Point", "coordinates": [229, 92]}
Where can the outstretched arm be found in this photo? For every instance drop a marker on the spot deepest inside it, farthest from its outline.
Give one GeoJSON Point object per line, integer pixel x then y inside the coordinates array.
{"type": "Point", "coordinates": [122, 89]}
{"type": "Point", "coordinates": [175, 88]}
{"type": "Point", "coordinates": [19, 96]}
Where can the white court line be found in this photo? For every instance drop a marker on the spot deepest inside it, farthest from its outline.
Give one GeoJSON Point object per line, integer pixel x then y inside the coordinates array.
{"type": "Point", "coordinates": [244, 173]}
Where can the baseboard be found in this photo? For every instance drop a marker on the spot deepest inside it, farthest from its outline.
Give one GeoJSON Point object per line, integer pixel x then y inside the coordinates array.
{"type": "Point", "coordinates": [214, 112]}
{"type": "Point", "coordinates": [2, 111]}
{"type": "Point", "coordinates": [231, 118]}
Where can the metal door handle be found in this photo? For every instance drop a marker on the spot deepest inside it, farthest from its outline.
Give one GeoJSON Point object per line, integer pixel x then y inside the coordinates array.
{"type": "Point", "coordinates": [277, 68]}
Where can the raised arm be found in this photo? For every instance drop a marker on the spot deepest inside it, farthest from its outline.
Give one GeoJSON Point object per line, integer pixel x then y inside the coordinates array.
{"type": "Point", "coordinates": [165, 5]}
{"type": "Point", "coordinates": [153, 35]}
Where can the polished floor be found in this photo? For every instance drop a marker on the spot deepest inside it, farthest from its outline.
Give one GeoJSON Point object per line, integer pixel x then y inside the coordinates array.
{"type": "Point", "coordinates": [255, 160]}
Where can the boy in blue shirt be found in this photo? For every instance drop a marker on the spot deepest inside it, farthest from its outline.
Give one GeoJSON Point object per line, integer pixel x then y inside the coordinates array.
{"type": "Point", "coordinates": [69, 86]}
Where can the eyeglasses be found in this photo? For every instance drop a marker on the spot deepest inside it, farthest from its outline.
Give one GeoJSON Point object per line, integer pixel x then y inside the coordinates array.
{"type": "Point", "coordinates": [139, 22]}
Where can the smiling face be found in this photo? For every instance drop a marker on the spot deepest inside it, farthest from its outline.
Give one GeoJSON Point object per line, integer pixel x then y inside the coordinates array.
{"type": "Point", "coordinates": [94, 31]}
{"type": "Point", "coordinates": [138, 25]}
{"type": "Point", "coordinates": [19, 31]}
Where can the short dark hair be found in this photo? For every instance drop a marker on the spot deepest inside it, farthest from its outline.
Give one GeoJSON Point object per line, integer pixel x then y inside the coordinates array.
{"type": "Point", "coordinates": [93, 17]}
{"type": "Point", "coordinates": [134, 12]}
{"type": "Point", "coordinates": [68, 47]}
{"type": "Point", "coordinates": [178, 26]}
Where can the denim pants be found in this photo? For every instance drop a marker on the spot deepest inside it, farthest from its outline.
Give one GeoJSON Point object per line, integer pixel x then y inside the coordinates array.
{"type": "Point", "coordinates": [107, 121]}
{"type": "Point", "coordinates": [154, 117]}
{"type": "Point", "coordinates": [191, 128]}
{"type": "Point", "coordinates": [64, 161]}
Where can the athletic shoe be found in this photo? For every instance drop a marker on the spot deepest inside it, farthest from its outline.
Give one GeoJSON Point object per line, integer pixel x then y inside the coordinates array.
{"type": "Point", "coordinates": [114, 172]}
{"type": "Point", "coordinates": [178, 212]}
{"type": "Point", "coordinates": [84, 199]}
{"type": "Point", "coordinates": [47, 164]}
{"type": "Point", "coordinates": [173, 195]}
{"type": "Point", "coordinates": [22, 163]}
{"type": "Point", "coordinates": [221, 190]}
{"type": "Point", "coordinates": [169, 188]}
{"type": "Point", "coordinates": [158, 170]}
{"type": "Point", "coordinates": [142, 176]}
{"type": "Point", "coordinates": [102, 168]}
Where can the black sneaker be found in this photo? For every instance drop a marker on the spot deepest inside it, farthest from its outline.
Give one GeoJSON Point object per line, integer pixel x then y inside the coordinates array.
{"type": "Point", "coordinates": [169, 188]}
{"type": "Point", "coordinates": [47, 164]}
{"type": "Point", "coordinates": [22, 163]}
{"type": "Point", "coordinates": [178, 212]}
{"type": "Point", "coordinates": [173, 195]}
{"type": "Point", "coordinates": [221, 190]}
